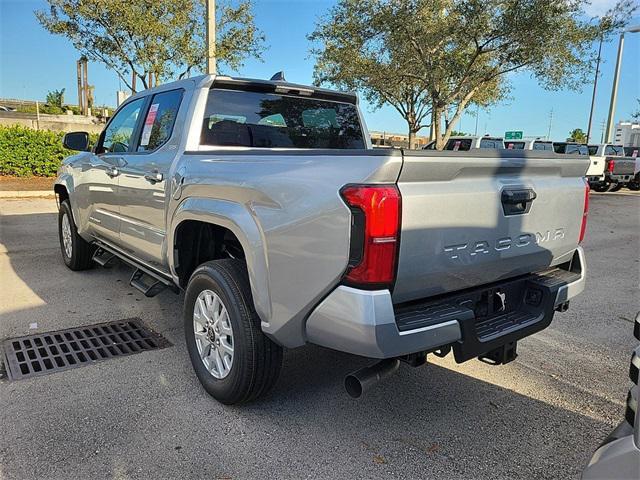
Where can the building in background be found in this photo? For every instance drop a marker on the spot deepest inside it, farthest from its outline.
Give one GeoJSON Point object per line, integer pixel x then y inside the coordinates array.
{"type": "Point", "coordinates": [627, 134]}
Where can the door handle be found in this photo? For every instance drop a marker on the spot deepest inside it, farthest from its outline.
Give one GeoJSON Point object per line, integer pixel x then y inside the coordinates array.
{"type": "Point", "coordinates": [154, 177]}
{"type": "Point", "coordinates": [113, 172]}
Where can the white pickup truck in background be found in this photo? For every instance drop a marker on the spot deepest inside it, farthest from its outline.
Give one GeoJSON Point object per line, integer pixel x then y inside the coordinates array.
{"type": "Point", "coordinates": [609, 169]}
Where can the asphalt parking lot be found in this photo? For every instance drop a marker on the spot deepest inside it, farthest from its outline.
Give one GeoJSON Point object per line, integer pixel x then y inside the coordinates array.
{"type": "Point", "coordinates": [146, 415]}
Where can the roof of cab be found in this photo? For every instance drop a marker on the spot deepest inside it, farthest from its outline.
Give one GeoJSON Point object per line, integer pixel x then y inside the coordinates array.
{"type": "Point", "coordinates": [278, 86]}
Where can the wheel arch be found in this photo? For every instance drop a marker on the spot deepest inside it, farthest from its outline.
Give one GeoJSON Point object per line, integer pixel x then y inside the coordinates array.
{"type": "Point", "coordinates": [227, 220]}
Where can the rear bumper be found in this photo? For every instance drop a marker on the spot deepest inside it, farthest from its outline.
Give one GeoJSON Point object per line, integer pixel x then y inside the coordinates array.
{"type": "Point", "coordinates": [613, 178]}
{"type": "Point", "coordinates": [366, 323]}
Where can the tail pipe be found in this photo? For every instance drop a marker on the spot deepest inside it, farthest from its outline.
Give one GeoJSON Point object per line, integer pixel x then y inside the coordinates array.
{"type": "Point", "coordinates": [360, 381]}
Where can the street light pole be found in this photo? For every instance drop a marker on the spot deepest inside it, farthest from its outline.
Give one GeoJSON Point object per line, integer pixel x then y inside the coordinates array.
{"type": "Point", "coordinates": [595, 87]}
{"type": "Point", "coordinates": [211, 37]}
{"type": "Point", "coordinates": [614, 91]}
{"type": "Point", "coordinates": [616, 81]}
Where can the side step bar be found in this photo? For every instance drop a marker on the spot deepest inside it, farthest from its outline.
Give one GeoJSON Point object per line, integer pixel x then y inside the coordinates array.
{"type": "Point", "coordinates": [104, 258]}
{"type": "Point", "coordinates": [145, 280]}
{"type": "Point", "coordinates": [150, 289]}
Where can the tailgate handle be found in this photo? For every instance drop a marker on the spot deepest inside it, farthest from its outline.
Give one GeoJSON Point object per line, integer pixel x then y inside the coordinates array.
{"type": "Point", "coordinates": [517, 202]}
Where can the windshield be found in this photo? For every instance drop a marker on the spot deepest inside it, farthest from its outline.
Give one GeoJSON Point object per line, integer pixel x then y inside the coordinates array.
{"type": "Point", "coordinates": [269, 120]}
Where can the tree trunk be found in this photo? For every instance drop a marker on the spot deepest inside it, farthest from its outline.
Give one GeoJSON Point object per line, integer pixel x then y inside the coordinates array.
{"type": "Point", "coordinates": [412, 138]}
{"type": "Point", "coordinates": [437, 128]}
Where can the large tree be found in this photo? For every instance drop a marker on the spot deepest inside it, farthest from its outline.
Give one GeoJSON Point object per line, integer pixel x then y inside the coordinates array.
{"type": "Point", "coordinates": [158, 38]}
{"type": "Point", "coordinates": [456, 52]}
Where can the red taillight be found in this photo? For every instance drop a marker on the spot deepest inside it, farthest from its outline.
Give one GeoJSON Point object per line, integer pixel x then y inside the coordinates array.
{"type": "Point", "coordinates": [583, 227]}
{"type": "Point", "coordinates": [374, 234]}
{"type": "Point", "coordinates": [611, 164]}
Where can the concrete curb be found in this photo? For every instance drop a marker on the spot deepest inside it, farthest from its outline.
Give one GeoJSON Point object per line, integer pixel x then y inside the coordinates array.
{"type": "Point", "coordinates": [26, 193]}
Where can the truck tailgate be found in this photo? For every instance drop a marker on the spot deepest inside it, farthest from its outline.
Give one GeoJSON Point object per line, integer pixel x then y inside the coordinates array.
{"type": "Point", "coordinates": [471, 218]}
{"type": "Point", "coordinates": [622, 165]}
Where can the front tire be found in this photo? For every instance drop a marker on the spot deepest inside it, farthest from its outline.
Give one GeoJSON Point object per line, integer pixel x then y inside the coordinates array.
{"type": "Point", "coordinates": [76, 251]}
{"type": "Point", "coordinates": [234, 361]}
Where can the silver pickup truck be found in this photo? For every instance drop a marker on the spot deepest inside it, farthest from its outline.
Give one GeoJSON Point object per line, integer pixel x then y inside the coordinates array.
{"type": "Point", "coordinates": [265, 202]}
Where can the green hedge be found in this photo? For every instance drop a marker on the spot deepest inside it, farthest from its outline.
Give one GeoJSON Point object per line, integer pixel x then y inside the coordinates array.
{"type": "Point", "coordinates": [25, 152]}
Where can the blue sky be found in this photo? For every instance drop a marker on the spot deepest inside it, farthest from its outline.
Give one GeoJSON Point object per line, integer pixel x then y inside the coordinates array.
{"type": "Point", "coordinates": [33, 62]}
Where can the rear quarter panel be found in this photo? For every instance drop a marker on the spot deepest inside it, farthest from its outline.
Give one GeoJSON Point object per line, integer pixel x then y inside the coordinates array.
{"type": "Point", "coordinates": [302, 226]}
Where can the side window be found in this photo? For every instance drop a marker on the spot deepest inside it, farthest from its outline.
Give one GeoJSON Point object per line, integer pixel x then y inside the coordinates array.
{"type": "Point", "coordinates": [117, 136]}
{"type": "Point", "coordinates": [593, 149]}
{"type": "Point", "coordinates": [158, 124]}
{"type": "Point", "coordinates": [459, 144]}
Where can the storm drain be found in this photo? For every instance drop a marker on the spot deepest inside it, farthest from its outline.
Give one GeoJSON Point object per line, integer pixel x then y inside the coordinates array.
{"type": "Point", "coordinates": [45, 353]}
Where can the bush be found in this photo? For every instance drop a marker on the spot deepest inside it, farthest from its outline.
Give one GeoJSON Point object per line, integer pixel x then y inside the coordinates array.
{"type": "Point", "coordinates": [44, 108]}
{"type": "Point", "coordinates": [25, 152]}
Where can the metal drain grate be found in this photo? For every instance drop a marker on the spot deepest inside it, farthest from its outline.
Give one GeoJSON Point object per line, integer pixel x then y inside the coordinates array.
{"type": "Point", "coordinates": [50, 352]}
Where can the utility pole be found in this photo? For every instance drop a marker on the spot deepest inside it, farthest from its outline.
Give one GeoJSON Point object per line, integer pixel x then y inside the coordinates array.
{"type": "Point", "coordinates": [550, 124]}
{"type": "Point", "coordinates": [80, 89]}
{"type": "Point", "coordinates": [85, 85]}
{"type": "Point", "coordinates": [595, 86]}
{"type": "Point", "coordinates": [614, 90]}
{"type": "Point", "coordinates": [211, 37]}
{"type": "Point", "coordinates": [616, 79]}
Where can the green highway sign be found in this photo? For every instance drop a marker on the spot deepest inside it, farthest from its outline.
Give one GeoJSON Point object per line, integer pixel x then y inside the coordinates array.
{"type": "Point", "coordinates": [513, 135]}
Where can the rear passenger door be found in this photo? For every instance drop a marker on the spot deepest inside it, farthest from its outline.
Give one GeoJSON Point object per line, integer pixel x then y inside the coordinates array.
{"type": "Point", "coordinates": [144, 179]}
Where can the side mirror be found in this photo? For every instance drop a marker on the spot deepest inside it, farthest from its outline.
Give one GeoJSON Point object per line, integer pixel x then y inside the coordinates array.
{"type": "Point", "coordinates": [76, 141]}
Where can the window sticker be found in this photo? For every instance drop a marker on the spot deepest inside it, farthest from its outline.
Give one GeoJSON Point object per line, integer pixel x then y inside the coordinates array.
{"type": "Point", "coordinates": [148, 124]}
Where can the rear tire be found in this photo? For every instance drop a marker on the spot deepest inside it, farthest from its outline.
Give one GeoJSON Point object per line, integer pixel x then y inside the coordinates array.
{"type": "Point", "coordinates": [76, 251]}
{"type": "Point", "coordinates": [601, 187]}
{"type": "Point", "coordinates": [634, 184]}
{"type": "Point", "coordinates": [219, 314]}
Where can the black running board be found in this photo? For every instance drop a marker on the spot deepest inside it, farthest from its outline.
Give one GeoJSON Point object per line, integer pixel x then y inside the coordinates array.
{"type": "Point", "coordinates": [146, 283]}
{"type": "Point", "coordinates": [143, 279]}
{"type": "Point", "coordinates": [104, 258]}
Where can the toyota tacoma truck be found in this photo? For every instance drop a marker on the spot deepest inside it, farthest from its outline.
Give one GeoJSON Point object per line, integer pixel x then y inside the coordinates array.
{"type": "Point", "coordinates": [266, 204]}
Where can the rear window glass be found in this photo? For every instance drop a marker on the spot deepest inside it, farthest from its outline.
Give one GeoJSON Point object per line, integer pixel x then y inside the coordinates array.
{"type": "Point", "coordinates": [514, 145]}
{"type": "Point", "coordinates": [614, 150]}
{"type": "Point", "coordinates": [488, 143]}
{"type": "Point", "coordinates": [270, 120]}
{"type": "Point", "coordinates": [543, 146]}
{"type": "Point", "coordinates": [459, 144]}
{"type": "Point", "coordinates": [593, 149]}
{"type": "Point", "coordinates": [571, 148]}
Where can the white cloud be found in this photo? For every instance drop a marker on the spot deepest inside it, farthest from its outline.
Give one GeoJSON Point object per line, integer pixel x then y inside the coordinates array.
{"type": "Point", "coordinates": [597, 8]}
